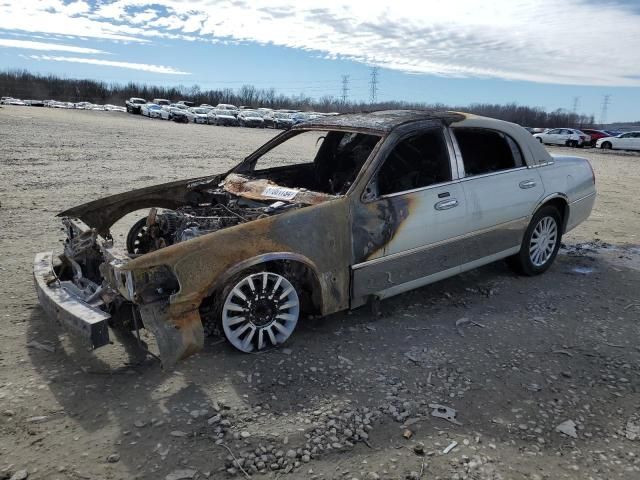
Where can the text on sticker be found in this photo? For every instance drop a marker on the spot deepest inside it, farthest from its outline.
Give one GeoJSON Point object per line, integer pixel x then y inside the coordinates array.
{"type": "Point", "coordinates": [280, 193]}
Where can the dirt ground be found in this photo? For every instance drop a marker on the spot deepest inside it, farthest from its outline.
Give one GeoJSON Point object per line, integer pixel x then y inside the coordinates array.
{"type": "Point", "coordinates": [349, 396]}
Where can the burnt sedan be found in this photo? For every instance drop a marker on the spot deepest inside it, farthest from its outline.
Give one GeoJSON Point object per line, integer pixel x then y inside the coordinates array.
{"type": "Point", "coordinates": [327, 216]}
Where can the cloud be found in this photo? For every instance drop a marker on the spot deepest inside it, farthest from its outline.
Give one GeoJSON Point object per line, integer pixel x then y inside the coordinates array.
{"type": "Point", "coordinates": [542, 41]}
{"type": "Point", "coordinates": [50, 47]}
{"type": "Point", "coordinates": [144, 67]}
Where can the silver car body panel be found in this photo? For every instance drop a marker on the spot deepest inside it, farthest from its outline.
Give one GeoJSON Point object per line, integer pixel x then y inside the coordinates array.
{"type": "Point", "coordinates": [357, 246]}
{"type": "Point", "coordinates": [496, 210]}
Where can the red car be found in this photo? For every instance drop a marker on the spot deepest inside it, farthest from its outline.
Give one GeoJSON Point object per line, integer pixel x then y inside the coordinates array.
{"type": "Point", "coordinates": [595, 135]}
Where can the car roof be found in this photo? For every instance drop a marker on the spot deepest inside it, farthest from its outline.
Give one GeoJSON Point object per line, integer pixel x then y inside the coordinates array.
{"type": "Point", "coordinates": [383, 120]}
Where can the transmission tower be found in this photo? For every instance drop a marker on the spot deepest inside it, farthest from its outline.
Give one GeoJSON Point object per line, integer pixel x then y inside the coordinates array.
{"type": "Point", "coordinates": [606, 101]}
{"type": "Point", "coordinates": [373, 85]}
{"type": "Point", "coordinates": [345, 88]}
{"type": "Point", "coordinates": [576, 102]}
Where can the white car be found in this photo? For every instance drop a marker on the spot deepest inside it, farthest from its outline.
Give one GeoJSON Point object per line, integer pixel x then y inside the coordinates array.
{"type": "Point", "coordinates": [222, 117]}
{"type": "Point", "coordinates": [624, 141]}
{"type": "Point", "coordinates": [386, 202]}
{"type": "Point", "coordinates": [569, 137]}
{"type": "Point", "coordinates": [150, 110]}
{"type": "Point", "coordinates": [225, 106]}
{"type": "Point", "coordinates": [114, 108]}
{"type": "Point", "coordinates": [176, 112]}
{"type": "Point", "coordinates": [12, 101]}
{"type": "Point", "coordinates": [198, 115]}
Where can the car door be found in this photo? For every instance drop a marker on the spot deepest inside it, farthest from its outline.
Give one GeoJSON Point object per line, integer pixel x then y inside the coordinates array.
{"type": "Point", "coordinates": [552, 136]}
{"type": "Point", "coordinates": [500, 191]}
{"type": "Point", "coordinates": [407, 221]}
{"type": "Point", "coordinates": [622, 142]}
{"type": "Point", "coordinates": [635, 144]}
{"type": "Point", "coordinates": [565, 136]}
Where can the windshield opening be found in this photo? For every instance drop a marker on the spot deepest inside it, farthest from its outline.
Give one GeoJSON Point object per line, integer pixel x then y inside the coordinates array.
{"type": "Point", "coordinates": [321, 161]}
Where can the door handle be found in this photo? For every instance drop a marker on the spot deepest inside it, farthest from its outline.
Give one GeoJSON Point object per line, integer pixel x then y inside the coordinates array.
{"type": "Point", "coordinates": [527, 184]}
{"type": "Point", "coordinates": [446, 204]}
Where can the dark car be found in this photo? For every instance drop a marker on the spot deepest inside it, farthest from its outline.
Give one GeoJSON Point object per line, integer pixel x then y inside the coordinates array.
{"type": "Point", "coordinates": [250, 118]}
{"type": "Point", "coordinates": [282, 120]}
{"type": "Point", "coordinates": [134, 105]}
{"type": "Point", "coordinates": [595, 135]}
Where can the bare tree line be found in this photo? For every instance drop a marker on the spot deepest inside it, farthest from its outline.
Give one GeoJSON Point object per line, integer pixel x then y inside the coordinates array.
{"type": "Point", "coordinates": [26, 85]}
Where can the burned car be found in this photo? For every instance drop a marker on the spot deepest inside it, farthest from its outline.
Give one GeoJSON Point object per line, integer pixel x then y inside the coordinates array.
{"type": "Point", "coordinates": [327, 216]}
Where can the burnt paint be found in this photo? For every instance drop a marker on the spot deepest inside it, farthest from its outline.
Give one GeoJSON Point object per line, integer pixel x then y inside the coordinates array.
{"type": "Point", "coordinates": [375, 224]}
{"type": "Point", "coordinates": [383, 121]}
{"type": "Point", "coordinates": [319, 233]}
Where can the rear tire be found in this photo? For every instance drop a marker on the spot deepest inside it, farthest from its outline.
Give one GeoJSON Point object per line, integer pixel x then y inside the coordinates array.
{"type": "Point", "coordinates": [540, 243]}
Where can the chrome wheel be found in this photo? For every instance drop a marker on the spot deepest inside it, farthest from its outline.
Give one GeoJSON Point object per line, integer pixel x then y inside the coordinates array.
{"type": "Point", "coordinates": [543, 241]}
{"type": "Point", "coordinates": [260, 311]}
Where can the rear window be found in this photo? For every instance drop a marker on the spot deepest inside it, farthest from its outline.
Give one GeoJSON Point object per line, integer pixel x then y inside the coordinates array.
{"type": "Point", "coordinates": [486, 151]}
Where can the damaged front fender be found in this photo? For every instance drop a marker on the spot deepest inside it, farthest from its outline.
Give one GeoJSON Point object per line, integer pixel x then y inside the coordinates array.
{"type": "Point", "coordinates": [178, 335]}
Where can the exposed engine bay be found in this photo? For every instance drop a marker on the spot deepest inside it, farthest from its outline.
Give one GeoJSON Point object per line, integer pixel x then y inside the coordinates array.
{"type": "Point", "coordinates": [222, 210]}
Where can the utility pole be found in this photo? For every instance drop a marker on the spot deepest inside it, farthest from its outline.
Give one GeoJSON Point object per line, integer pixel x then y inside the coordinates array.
{"type": "Point", "coordinates": [345, 88]}
{"type": "Point", "coordinates": [373, 85]}
{"type": "Point", "coordinates": [606, 101]}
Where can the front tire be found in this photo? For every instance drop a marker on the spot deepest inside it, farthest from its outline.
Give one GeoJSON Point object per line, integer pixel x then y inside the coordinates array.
{"type": "Point", "coordinates": [540, 243]}
{"type": "Point", "coordinates": [259, 311]}
{"type": "Point", "coordinates": [606, 146]}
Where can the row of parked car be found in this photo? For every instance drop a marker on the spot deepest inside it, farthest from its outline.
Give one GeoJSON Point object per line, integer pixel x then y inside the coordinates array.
{"type": "Point", "coordinates": [57, 104]}
{"type": "Point", "coordinates": [230, 115]}
{"type": "Point", "coordinates": [222, 114]}
{"type": "Point", "coordinates": [588, 137]}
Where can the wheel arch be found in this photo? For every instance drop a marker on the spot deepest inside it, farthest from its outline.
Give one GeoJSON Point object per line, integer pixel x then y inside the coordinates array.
{"type": "Point", "coordinates": [278, 262]}
{"type": "Point", "coordinates": [558, 200]}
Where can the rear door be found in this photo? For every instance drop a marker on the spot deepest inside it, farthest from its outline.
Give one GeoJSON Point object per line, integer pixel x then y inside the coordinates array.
{"type": "Point", "coordinates": [408, 223]}
{"type": "Point", "coordinates": [500, 191]}
{"type": "Point", "coordinates": [565, 136]}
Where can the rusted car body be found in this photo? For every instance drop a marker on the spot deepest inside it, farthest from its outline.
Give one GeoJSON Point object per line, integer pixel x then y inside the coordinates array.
{"type": "Point", "coordinates": [345, 228]}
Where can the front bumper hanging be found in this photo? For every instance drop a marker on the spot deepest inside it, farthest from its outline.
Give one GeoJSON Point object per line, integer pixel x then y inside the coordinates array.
{"type": "Point", "coordinates": [71, 312]}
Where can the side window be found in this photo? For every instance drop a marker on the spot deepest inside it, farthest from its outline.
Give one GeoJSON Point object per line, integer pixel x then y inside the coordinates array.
{"type": "Point", "coordinates": [417, 161]}
{"type": "Point", "coordinates": [553, 132]}
{"type": "Point", "coordinates": [486, 151]}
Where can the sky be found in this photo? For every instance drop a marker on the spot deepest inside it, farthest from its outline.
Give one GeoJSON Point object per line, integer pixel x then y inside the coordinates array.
{"type": "Point", "coordinates": [536, 53]}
